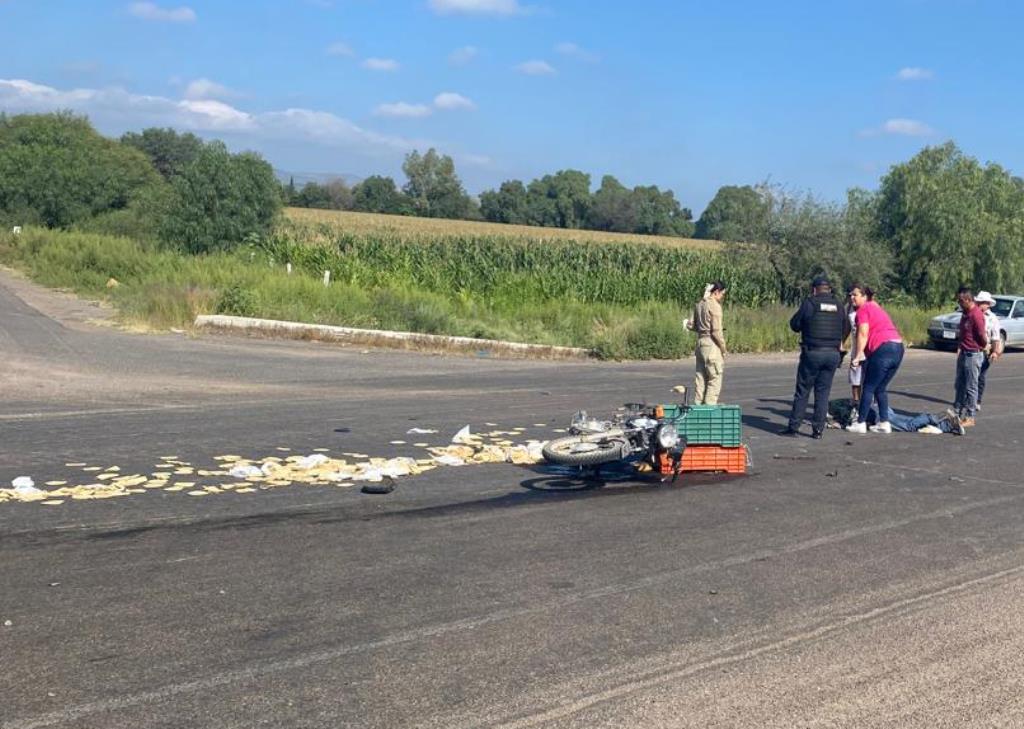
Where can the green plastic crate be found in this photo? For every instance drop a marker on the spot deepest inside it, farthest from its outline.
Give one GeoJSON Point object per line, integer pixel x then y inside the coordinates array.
{"type": "Point", "coordinates": [708, 424]}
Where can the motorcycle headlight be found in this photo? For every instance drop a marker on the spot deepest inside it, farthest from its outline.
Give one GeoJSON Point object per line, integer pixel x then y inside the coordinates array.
{"type": "Point", "coordinates": [667, 436]}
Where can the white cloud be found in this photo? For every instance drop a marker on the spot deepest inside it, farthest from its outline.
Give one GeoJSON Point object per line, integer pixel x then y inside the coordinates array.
{"type": "Point", "coordinates": [340, 49]}
{"type": "Point", "coordinates": [210, 114]}
{"type": "Point", "coordinates": [450, 101]}
{"type": "Point", "coordinates": [124, 110]}
{"type": "Point", "coordinates": [462, 56]}
{"type": "Point", "coordinates": [477, 7]}
{"type": "Point", "coordinates": [900, 127]}
{"type": "Point", "coordinates": [914, 73]}
{"type": "Point", "coordinates": [152, 11]}
{"type": "Point", "coordinates": [479, 160]}
{"type": "Point", "coordinates": [574, 51]}
{"type": "Point", "coordinates": [204, 88]}
{"type": "Point", "coordinates": [536, 68]}
{"type": "Point", "coordinates": [907, 127]}
{"type": "Point", "coordinates": [329, 129]}
{"type": "Point", "coordinates": [380, 64]}
{"type": "Point", "coordinates": [402, 109]}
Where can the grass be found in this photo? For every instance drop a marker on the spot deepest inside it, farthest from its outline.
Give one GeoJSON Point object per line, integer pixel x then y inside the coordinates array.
{"type": "Point", "coordinates": [441, 286]}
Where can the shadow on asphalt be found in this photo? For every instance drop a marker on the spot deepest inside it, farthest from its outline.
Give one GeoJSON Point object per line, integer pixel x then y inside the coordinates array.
{"type": "Point", "coordinates": [917, 396]}
{"type": "Point", "coordinates": [767, 424]}
{"type": "Point", "coordinates": [550, 484]}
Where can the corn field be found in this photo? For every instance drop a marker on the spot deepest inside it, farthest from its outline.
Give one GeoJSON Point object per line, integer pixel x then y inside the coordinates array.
{"type": "Point", "coordinates": [317, 224]}
{"type": "Point", "coordinates": [522, 269]}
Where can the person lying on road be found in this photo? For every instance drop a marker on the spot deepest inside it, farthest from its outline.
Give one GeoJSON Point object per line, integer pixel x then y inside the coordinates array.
{"type": "Point", "coordinates": [842, 411]}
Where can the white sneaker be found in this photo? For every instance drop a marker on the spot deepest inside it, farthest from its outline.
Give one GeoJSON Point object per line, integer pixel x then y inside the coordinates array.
{"type": "Point", "coordinates": [885, 427]}
{"type": "Point", "coordinates": [857, 428]}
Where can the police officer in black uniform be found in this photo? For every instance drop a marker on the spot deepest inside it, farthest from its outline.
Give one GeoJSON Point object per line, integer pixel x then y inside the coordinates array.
{"type": "Point", "coordinates": [823, 325]}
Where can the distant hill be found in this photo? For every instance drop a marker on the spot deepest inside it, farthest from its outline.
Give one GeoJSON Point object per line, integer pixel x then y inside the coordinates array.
{"type": "Point", "coordinates": [321, 178]}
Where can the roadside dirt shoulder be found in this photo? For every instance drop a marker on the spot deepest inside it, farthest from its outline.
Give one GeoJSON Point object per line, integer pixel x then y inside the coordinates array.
{"type": "Point", "coordinates": [61, 306]}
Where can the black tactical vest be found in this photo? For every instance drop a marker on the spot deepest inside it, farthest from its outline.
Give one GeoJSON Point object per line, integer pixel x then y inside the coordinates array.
{"type": "Point", "coordinates": [824, 328]}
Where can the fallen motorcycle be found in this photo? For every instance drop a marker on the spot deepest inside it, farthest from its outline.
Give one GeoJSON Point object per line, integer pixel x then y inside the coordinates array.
{"type": "Point", "coordinates": [637, 434]}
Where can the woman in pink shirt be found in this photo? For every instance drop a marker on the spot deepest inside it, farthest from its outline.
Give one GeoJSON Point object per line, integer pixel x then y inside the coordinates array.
{"type": "Point", "coordinates": [878, 348]}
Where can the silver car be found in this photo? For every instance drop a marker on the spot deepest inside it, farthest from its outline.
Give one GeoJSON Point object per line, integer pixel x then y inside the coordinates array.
{"type": "Point", "coordinates": [942, 329]}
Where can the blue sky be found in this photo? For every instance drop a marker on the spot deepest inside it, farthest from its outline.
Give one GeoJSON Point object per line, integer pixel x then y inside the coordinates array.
{"type": "Point", "coordinates": [817, 96]}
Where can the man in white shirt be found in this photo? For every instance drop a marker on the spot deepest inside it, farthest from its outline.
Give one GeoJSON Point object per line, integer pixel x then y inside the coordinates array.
{"type": "Point", "coordinates": [995, 339]}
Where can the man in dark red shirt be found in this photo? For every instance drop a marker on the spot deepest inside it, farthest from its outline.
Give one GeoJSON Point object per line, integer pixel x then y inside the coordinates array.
{"type": "Point", "coordinates": [972, 341]}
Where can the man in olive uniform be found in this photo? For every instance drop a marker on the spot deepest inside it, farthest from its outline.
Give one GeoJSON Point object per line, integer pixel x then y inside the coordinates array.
{"type": "Point", "coordinates": [823, 325]}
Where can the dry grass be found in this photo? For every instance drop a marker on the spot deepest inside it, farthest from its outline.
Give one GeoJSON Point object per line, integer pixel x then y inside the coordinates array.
{"type": "Point", "coordinates": [413, 227]}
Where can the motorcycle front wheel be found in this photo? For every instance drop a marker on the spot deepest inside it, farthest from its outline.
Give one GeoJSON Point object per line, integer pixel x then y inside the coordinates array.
{"type": "Point", "coordinates": [581, 450]}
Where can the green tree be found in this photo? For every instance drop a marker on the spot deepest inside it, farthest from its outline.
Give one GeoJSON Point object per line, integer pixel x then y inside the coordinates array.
{"type": "Point", "coordinates": [950, 221]}
{"type": "Point", "coordinates": [56, 170]}
{"type": "Point", "coordinates": [339, 194]}
{"type": "Point", "coordinates": [507, 204]}
{"type": "Point", "coordinates": [803, 237]}
{"type": "Point", "coordinates": [613, 207]}
{"type": "Point", "coordinates": [434, 188]}
{"type": "Point", "coordinates": [288, 192]}
{"type": "Point", "coordinates": [561, 200]}
{"type": "Point", "coordinates": [377, 194]}
{"type": "Point", "coordinates": [659, 213]}
{"type": "Point", "coordinates": [734, 214]}
{"type": "Point", "coordinates": [335, 195]}
{"type": "Point", "coordinates": [312, 195]}
{"type": "Point", "coordinates": [219, 199]}
{"type": "Point", "coordinates": [169, 151]}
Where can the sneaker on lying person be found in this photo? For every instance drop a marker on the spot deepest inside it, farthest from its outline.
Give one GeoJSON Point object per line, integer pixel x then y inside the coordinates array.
{"type": "Point", "coordinates": [930, 430]}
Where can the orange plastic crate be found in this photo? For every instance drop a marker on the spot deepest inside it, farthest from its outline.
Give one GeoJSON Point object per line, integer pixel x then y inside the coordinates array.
{"type": "Point", "coordinates": [715, 458]}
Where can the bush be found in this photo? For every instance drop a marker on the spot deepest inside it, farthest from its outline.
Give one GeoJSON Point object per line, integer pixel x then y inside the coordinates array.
{"type": "Point", "coordinates": [56, 170]}
{"type": "Point", "coordinates": [219, 200]}
{"type": "Point", "coordinates": [238, 301]}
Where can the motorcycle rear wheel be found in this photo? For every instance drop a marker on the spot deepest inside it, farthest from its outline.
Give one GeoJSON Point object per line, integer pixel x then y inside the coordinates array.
{"type": "Point", "coordinates": [568, 452]}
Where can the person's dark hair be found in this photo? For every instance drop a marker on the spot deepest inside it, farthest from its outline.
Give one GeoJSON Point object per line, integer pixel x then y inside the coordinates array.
{"type": "Point", "coordinates": [718, 286]}
{"type": "Point", "coordinates": [869, 293]}
{"type": "Point", "coordinates": [966, 293]}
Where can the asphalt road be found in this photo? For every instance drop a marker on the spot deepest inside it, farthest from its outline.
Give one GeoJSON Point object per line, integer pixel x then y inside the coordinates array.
{"type": "Point", "coordinates": [857, 581]}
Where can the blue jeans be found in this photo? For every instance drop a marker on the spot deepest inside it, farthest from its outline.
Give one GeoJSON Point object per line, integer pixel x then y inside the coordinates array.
{"type": "Point", "coordinates": [880, 368]}
{"type": "Point", "coordinates": [913, 423]}
{"type": "Point", "coordinates": [981, 377]}
{"type": "Point", "coordinates": [968, 369]}
{"type": "Point", "coordinates": [905, 423]}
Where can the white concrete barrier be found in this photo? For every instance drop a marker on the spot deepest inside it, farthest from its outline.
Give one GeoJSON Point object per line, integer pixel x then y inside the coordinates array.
{"type": "Point", "coordinates": [298, 330]}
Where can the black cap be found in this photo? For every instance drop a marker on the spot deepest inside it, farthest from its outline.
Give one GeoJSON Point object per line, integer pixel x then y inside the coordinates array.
{"type": "Point", "coordinates": [820, 281]}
